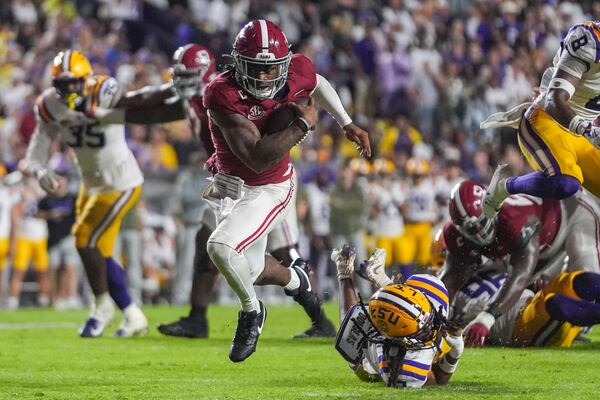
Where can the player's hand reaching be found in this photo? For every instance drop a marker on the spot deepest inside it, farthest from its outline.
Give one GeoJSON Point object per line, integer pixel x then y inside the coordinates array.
{"type": "Point", "coordinates": [48, 180]}
{"type": "Point", "coordinates": [344, 261]}
{"type": "Point", "coordinates": [309, 112]}
{"type": "Point", "coordinates": [357, 135]}
{"type": "Point", "coordinates": [374, 269]}
{"type": "Point", "coordinates": [478, 330]}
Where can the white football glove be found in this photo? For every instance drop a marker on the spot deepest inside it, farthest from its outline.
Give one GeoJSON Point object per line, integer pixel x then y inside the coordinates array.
{"type": "Point", "coordinates": [344, 261]}
{"type": "Point", "coordinates": [48, 180]}
{"type": "Point", "coordinates": [375, 269]}
{"type": "Point", "coordinates": [457, 345]}
{"type": "Point", "coordinates": [581, 127]}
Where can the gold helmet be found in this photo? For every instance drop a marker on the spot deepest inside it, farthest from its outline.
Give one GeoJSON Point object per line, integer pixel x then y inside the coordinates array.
{"type": "Point", "coordinates": [438, 250]}
{"type": "Point", "coordinates": [417, 167]}
{"type": "Point", "coordinates": [383, 166]}
{"type": "Point", "coordinates": [402, 313]}
{"type": "Point", "coordinates": [361, 167]}
{"type": "Point", "coordinates": [70, 68]}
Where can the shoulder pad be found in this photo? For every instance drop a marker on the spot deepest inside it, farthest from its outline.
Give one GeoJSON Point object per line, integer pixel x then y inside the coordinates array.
{"type": "Point", "coordinates": [42, 108]}
{"type": "Point", "coordinates": [106, 92]}
{"type": "Point", "coordinates": [583, 42]}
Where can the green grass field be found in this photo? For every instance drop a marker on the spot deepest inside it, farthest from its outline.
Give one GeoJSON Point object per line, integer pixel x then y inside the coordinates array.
{"type": "Point", "coordinates": [42, 357]}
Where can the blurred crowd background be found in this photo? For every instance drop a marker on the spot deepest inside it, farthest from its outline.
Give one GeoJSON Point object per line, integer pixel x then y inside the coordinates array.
{"type": "Point", "coordinates": [418, 75]}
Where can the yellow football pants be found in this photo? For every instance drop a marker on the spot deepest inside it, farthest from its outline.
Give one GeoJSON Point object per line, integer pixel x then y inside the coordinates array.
{"type": "Point", "coordinates": [551, 148]}
{"type": "Point", "coordinates": [27, 251]}
{"type": "Point", "coordinates": [99, 218]}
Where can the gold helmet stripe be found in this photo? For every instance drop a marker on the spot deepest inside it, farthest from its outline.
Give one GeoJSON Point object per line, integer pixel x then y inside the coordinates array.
{"type": "Point", "coordinates": [399, 302]}
{"type": "Point", "coordinates": [67, 61]}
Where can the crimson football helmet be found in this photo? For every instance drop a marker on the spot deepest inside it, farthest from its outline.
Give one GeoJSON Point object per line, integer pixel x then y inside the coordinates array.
{"type": "Point", "coordinates": [466, 211]}
{"type": "Point", "coordinates": [192, 68]}
{"type": "Point", "coordinates": [261, 56]}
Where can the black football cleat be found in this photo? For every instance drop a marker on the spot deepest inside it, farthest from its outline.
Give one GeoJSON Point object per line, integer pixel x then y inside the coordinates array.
{"type": "Point", "coordinates": [249, 327]}
{"type": "Point", "coordinates": [186, 327]}
{"type": "Point", "coordinates": [304, 295]}
{"type": "Point", "coordinates": [319, 329]}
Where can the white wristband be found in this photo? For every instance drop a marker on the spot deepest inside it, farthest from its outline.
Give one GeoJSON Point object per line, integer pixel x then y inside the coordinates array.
{"type": "Point", "coordinates": [446, 367]}
{"type": "Point", "coordinates": [560, 83]}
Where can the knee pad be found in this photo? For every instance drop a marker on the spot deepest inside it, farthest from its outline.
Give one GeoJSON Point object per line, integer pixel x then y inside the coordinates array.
{"type": "Point", "coordinates": [564, 186]}
{"type": "Point", "coordinates": [219, 253]}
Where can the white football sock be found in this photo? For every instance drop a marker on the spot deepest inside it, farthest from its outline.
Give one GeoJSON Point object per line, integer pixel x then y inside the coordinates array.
{"type": "Point", "coordinates": [294, 282]}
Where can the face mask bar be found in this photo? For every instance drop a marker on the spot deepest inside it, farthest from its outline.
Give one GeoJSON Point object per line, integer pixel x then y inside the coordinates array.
{"type": "Point", "coordinates": [70, 90]}
{"type": "Point", "coordinates": [188, 82]}
{"type": "Point", "coordinates": [480, 230]}
{"type": "Point", "coordinates": [260, 88]}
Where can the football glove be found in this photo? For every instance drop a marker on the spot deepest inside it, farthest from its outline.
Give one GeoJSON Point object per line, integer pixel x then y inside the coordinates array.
{"type": "Point", "coordinates": [48, 179]}
{"type": "Point", "coordinates": [344, 261]}
{"type": "Point", "coordinates": [478, 330]}
{"type": "Point", "coordinates": [374, 269]}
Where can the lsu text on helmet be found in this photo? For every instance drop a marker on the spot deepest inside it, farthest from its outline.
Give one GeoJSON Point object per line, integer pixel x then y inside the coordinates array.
{"type": "Point", "coordinates": [193, 66]}
{"type": "Point", "coordinates": [466, 212]}
{"type": "Point", "coordinates": [70, 69]}
{"type": "Point", "coordinates": [261, 56]}
{"type": "Point", "coordinates": [403, 314]}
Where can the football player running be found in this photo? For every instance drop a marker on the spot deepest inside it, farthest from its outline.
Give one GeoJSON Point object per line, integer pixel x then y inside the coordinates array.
{"type": "Point", "coordinates": [193, 68]}
{"type": "Point", "coordinates": [111, 180]}
{"type": "Point", "coordinates": [556, 133]}
{"type": "Point", "coordinates": [525, 236]}
{"type": "Point", "coordinates": [255, 181]}
{"type": "Point", "coordinates": [397, 338]}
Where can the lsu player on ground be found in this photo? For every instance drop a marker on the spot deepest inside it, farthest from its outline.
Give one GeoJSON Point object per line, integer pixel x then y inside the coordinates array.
{"type": "Point", "coordinates": [556, 133]}
{"type": "Point", "coordinates": [398, 337]}
{"type": "Point", "coordinates": [193, 67]}
{"type": "Point", "coordinates": [111, 181]}
{"type": "Point", "coordinates": [525, 237]}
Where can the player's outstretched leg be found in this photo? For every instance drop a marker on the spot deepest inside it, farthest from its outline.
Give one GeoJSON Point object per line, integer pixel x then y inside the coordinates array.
{"type": "Point", "coordinates": [205, 277]}
{"type": "Point", "coordinates": [576, 312]}
{"type": "Point", "coordinates": [308, 299]}
{"type": "Point", "coordinates": [134, 321]}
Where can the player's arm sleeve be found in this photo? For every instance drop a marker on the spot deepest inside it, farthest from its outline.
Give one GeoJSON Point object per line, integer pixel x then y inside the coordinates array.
{"type": "Point", "coordinates": [520, 270]}
{"type": "Point", "coordinates": [327, 97]}
{"type": "Point", "coordinates": [38, 150]}
{"type": "Point", "coordinates": [579, 50]}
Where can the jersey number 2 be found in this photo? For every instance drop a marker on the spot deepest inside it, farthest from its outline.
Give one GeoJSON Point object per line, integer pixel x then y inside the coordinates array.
{"type": "Point", "coordinates": [85, 135]}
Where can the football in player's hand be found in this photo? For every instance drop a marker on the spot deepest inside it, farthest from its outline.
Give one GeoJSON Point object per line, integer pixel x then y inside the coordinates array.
{"type": "Point", "coordinates": [280, 119]}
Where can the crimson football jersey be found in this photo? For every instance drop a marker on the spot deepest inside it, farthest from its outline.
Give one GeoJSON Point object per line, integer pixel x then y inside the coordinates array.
{"type": "Point", "coordinates": [514, 226]}
{"type": "Point", "coordinates": [224, 95]}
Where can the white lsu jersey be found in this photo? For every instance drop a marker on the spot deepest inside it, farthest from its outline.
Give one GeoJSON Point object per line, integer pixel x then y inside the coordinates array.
{"type": "Point", "coordinates": [7, 199]}
{"type": "Point", "coordinates": [386, 197]}
{"type": "Point", "coordinates": [579, 55]}
{"type": "Point", "coordinates": [318, 203]}
{"type": "Point", "coordinates": [480, 290]}
{"type": "Point", "coordinates": [420, 202]}
{"type": "Point", "coordinates": [105, 161]}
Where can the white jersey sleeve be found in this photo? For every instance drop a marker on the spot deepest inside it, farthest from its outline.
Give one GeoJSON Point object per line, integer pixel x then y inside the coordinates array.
{"type": "Point", "coordinates": [579, 50]}
{"type": "Point", "coordinates": [109, 93]}
{"type": "Point", "coordinates": [45, 132]}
